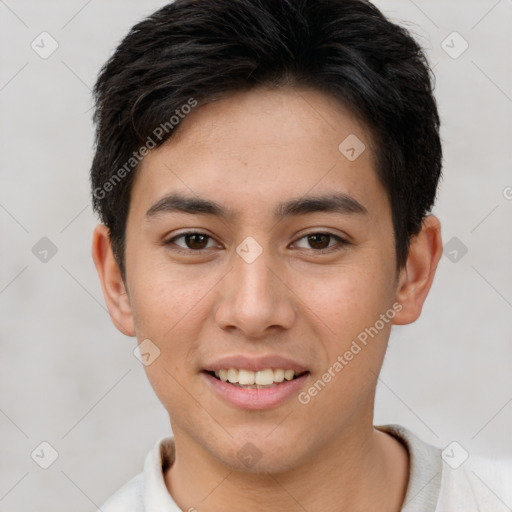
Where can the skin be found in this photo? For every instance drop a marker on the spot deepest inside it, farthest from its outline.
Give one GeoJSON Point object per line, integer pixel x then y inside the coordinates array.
{"type": "Point", "coordinates": [250, 152]}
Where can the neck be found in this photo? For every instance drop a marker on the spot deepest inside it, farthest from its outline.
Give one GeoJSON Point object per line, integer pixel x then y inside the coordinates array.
{"type": "Point", "coordinates": [357, 471]}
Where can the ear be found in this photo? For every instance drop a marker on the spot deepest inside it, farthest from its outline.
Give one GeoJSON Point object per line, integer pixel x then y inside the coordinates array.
{"type": "Point", "coordinates": [416, 277]}
{"type": "Point", "coordinates": [114, 289]}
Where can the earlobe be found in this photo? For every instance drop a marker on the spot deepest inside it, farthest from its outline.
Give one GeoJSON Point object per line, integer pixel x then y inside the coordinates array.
{"type": "Point", "coordinates": [112, 284]}
{"type": "Point", "coordinates": [417, 276]}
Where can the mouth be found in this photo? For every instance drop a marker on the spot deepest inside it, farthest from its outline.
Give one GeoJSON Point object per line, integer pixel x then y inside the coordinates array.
{"type": "Point", "coordinates": [261, 379]}
{"type": "Point", "coordinates": [255, 383]}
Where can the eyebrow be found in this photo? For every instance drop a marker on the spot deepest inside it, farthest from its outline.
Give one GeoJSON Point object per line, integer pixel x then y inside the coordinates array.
{"type": "Point", "coordinates": [330, 203]}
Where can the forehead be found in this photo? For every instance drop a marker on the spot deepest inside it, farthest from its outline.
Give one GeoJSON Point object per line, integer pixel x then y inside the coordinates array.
{"type": "Point", "coordinates": [260, 146]}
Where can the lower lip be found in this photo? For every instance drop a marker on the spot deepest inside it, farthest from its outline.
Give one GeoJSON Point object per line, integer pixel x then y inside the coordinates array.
{"type": "Point", "coordinates": [256, 399]}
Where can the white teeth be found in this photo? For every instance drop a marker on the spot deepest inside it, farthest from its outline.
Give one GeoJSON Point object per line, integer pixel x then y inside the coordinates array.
{"type": "Point", "coordinates": [233, 375]}
{"type": "Point", "coordinates": [266, 377]}
{"type": "Point", "coordinates": [278, 375]}
{"type": "Point", "coordinates": [245, 377]}
{"type": "Point", "coordinates": [288, 374]}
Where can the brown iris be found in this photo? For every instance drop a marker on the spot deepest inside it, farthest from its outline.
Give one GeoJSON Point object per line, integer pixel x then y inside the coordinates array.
{"type": "Point", "coordinates": [319, 240]}
{"type": "Point", "coordinates": [196, 241]}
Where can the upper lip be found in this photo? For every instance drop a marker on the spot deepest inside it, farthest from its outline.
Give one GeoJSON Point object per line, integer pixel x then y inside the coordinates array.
{"type": "Point", "coordinates": [241, 362]}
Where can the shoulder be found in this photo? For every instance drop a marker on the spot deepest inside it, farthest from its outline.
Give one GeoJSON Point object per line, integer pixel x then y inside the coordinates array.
{"type": "Point", "coordinates": [447, 481]}
{"type": "Point", "coordinates": [127, 499]}
{"type": "Point", "coordinates": [481, 482]}
{"type": "Point", "coordinates": [147, 490]}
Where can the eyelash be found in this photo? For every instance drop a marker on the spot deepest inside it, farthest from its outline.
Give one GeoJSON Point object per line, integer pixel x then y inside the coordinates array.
{"type": "Point", "coordinates": [341, 243]}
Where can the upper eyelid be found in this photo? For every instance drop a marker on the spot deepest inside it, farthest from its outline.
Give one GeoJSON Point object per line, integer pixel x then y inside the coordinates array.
{"type": "Point", "coordinates": [340, 238]}
{"type": "Point", "coordinates": [180, 235]}
{"type": "Point", "coordinates": [332, 235]}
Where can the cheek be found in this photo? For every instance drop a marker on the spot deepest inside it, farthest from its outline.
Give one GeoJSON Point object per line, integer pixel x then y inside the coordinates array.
{"type": "Point", "coordinates": [353, 338]}
{"type": "Point", "coordinates": [163, 301]}
{"type": "Point", "coordinates": [349, 303]}
{"type": "Point", "coordinates": [168, 312]}
{"type": "Point", "coordinates": [346, 298]}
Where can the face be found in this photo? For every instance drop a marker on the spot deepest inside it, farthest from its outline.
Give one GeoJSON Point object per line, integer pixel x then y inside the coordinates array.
{"type": "Point", "coordinates": [291, 261]}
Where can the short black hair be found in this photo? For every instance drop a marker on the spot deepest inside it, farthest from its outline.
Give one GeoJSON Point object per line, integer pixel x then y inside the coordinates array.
{"type": "Point", "coordinates": [192, 52]}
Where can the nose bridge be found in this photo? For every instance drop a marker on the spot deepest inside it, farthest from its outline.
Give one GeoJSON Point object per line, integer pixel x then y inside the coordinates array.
{"type": "Point", "coordinates": [252, 277]}
{"type": "Point", "coordinates": [255, 298]}
{"type": "Point", "coordinates": [251, 264]}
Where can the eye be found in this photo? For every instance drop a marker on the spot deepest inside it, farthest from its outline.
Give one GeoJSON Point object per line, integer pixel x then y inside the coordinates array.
{"type": "Point", "coordinates": [197, 242]}
{"type": "Point", "coordinates": [321, 242]}
{"type": "Point", "coordinates": [192, 241]}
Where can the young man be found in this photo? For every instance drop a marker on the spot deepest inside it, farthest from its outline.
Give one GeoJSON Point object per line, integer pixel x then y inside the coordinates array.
{"type": "Point", "coordinates": [264, 173]}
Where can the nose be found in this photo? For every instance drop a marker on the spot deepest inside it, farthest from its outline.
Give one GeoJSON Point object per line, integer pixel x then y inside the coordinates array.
{"type": "Point", "coordinates": [255, 299]}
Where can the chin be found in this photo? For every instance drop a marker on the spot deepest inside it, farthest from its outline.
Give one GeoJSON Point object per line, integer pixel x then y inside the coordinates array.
{"type": "Point", "coordinates": [259, 454]}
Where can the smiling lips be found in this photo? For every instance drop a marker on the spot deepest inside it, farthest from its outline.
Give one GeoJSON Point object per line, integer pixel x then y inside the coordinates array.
{"type": "Point", "coordinates": [255, 371]}
{"type": "Point", "coordinates": [256, 396]}
{"type": "Point", "coordinates": [255, 380]}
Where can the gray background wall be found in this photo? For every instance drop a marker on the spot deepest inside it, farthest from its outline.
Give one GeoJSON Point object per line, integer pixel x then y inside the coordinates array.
{"type": "Point", "coordinates": [67, 377]}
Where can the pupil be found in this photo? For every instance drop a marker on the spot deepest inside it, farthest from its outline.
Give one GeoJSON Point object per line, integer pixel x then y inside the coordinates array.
{"type": "Point", "coordinates": [317, 239]}
{"type": "Point", "coordinates": [198, 241]}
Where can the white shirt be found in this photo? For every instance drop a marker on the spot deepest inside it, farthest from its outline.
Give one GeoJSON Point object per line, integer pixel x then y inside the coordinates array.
{"type": "Point", "coordinates": [477, 485]}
